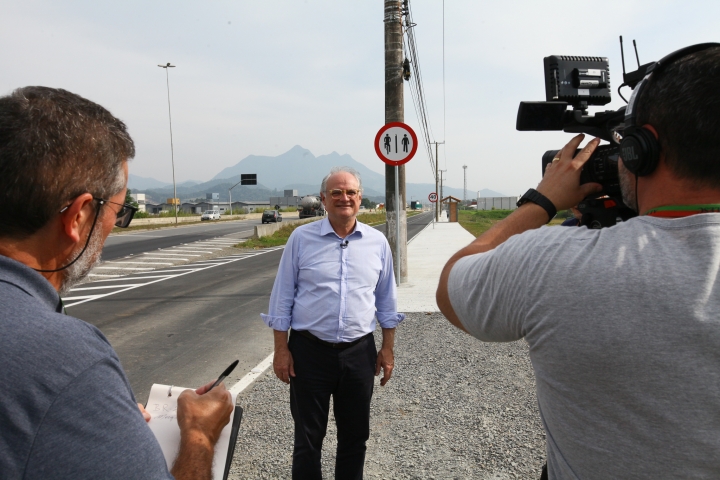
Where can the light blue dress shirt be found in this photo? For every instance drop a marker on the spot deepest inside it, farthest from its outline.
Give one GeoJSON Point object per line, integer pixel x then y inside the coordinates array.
{"type": "Point", "coordinates": [335, 293]}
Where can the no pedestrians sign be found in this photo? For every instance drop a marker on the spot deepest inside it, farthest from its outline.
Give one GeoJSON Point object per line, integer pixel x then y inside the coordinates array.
{"type": "Point", "coordinates": [396, 143]}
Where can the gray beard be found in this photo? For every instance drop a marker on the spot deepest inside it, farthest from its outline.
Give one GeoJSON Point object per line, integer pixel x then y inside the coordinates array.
{"type": "Point", "coordinates": [80, 269]}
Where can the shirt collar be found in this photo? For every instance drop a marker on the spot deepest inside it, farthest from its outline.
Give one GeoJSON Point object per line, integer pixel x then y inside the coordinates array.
{"type": "Point", "coordinates": [326, 228]}
{"type": "Point", "coordinates": [30, 282]}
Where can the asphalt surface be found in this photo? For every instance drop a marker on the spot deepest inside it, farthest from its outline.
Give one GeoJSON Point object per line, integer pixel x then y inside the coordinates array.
{"type": "Point", "coordinates": [185, 329]}
{"type": "Point", "coordinates": [122, 245]}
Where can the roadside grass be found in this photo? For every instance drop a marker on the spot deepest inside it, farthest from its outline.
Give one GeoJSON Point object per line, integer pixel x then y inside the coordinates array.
{"type": "Point", "coordinates": [479, 222]}
{"type": "Point", "coordinates": [281, 236]}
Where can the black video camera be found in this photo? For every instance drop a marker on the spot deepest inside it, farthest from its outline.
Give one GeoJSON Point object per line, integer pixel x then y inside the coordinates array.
{"type": "Point", "coordinates": [572, 84]}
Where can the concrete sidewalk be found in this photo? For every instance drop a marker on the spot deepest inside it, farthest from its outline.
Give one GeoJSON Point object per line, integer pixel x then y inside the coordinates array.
{"type": "Point", "coordinates": [428, 253]}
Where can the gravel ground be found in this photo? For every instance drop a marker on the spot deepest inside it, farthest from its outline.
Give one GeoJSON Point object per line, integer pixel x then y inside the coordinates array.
{"type": "Point", "coordinates": [454, 408]}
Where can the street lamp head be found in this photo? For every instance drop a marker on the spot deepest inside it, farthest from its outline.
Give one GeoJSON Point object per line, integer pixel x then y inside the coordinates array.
{"type": "Point", "coordinates": [166, 66]}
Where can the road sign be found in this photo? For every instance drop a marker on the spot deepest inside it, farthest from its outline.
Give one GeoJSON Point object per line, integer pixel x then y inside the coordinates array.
{"type": "Point", "coordinates": [248, 179]}
{"type": "Point", "coordinates": [432, 197]}
{"type": "Point", "coordinates": [396, 143]}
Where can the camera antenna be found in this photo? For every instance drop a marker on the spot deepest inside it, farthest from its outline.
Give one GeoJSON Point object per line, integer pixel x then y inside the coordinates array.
{"type": "Point", "coordinates": [622, 55]}
{"type": "Point", "coordinates": [636, 54]}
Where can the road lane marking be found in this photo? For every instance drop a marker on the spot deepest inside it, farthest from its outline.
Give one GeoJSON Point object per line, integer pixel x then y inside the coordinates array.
{"type": "Point", "coordinates": [196, 250]}
{"type": "Point", "coordinates": [123, 277]}
{"type": "Point", "coordinates": [146, 263]}
{"type": "Point", "coordinates": [105, 286]}
{"type": "Point", "coordinates": [248, 379]}
{"type": "Point", "coordinates": [160, 278]}
{"type": "Point", "coordinates": [125, 268]}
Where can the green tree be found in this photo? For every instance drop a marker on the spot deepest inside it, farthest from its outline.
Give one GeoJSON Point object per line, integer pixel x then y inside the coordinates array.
{"type": "Point", "coordinates": [129, 199]}
{"type": "Point", "coordinates": [367, 203]}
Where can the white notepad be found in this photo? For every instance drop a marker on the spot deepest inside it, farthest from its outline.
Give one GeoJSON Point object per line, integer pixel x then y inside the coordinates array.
{"type": "Point", "coordinates": [163, 410]}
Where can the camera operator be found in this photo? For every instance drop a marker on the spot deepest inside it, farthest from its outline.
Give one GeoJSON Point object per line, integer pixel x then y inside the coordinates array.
{"type": "Point", "coordinates": [622, 323]}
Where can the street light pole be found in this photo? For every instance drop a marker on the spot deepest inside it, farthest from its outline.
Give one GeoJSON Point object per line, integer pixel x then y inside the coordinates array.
{"type": "Point", "coordinates": [172, 153]}
{"type": "Point", "coordinates": [230, 192]}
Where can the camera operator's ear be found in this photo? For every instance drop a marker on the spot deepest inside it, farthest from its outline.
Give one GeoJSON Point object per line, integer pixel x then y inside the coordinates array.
{"type": "Point", "coordinates": [647, 126]}
{"type": "Point", "coordinates": [78, 216]}
{"type": "Point", "coordinates": [640, 150]}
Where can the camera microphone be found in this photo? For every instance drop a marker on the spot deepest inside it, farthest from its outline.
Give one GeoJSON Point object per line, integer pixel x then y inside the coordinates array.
{"type": "Point", "coordinates": [344, 244]}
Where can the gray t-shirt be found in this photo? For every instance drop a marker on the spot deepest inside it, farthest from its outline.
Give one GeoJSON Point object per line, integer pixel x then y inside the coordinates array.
{"type": "Point", "coordinates": [66, 407]}
{"type": "Point", "coordinates": [623, 326]}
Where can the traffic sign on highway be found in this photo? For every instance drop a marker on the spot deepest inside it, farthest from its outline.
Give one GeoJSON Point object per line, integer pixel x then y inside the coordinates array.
{"type": "Point", "coordinates": [432, 197]}
{"type": "Point", "coordinates": [396, 143]}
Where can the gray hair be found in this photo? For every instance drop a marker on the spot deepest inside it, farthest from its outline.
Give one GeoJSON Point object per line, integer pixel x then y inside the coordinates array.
{"type": "Point", "coordinates": [334, 170]}
{"type": "Point", "coordinates": [54, 146]}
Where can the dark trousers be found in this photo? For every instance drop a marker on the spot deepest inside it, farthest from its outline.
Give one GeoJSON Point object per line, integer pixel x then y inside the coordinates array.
{"type": "Point", "coordinates": [347, 375]}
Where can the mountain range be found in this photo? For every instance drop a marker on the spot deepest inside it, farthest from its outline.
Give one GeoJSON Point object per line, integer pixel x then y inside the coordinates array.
{"type": "Point", "coordinates": [297, 169]}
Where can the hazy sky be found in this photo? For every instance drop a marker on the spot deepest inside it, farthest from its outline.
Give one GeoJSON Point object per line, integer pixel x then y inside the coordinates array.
{"type": "Point", "coordinates": [260, 77]}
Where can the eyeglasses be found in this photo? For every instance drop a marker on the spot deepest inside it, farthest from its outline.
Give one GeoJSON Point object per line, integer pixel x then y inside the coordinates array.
{"type": "Point", "coordinates": [124, 215]}
{"type": "Point", "coordinates": [337, 193]}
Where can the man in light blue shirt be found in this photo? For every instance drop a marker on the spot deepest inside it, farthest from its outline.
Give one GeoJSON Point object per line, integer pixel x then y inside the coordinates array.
{"type": "Point", "coordinates": [335, 278]}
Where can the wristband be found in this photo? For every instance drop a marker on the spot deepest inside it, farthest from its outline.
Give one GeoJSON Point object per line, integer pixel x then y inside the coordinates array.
{"type": "Point", "coordinates": [538, 198]}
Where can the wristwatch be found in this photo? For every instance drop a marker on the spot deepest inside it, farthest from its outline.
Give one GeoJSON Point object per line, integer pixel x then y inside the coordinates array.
{"type": "Point", "coordinates": [538, 198]}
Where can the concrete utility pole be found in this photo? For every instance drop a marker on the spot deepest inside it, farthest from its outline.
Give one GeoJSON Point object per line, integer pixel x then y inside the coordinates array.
{"type": "Point", "coordinates": [441, 184]}
{"type": "Point", "coordinates": [396, 227]}
{"type": "Point", "coordinates": [437, 204]}
{"type": "Point", "coordinates": [464, 184]}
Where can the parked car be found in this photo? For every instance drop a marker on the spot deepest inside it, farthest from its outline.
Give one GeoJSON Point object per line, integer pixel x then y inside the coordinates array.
{"type": "Point", "coordinates": [271, 216]}
{"type": "Point", "coordinates": [210, 215]}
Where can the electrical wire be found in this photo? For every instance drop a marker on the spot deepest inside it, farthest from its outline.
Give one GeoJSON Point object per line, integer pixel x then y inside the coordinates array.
{"type": "Point", "coordinates": [416, 86]}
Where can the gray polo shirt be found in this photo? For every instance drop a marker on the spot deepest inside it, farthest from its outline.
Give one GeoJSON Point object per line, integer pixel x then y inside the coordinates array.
{"type": "Point", "coordinates": [623, 326]}
{"type": "Point", "coordinates": [66, 407]}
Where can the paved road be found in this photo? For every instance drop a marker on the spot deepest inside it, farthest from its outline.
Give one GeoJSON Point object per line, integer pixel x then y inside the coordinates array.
{"type": "Point", "coordinates": [122, 245]}
{"type": "Point", "coordinates": [183, 326]}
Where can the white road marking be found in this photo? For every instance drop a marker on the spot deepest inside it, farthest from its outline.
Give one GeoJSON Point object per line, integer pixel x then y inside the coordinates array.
{"type": "Point", "coordinates": [163, 254]}
{"type": "Point", "coordinates": [248, 379]}
{"type": "Point", "coordinates": [103, 275]}
{"type": "Point", "coordinates": [107, 286]}
{"type": "Point", "coordinates": [130, 278]}
{"type": "Point", "coordinates": [146, 263]}
{"type": "Point", "coordinates": [125, 268]}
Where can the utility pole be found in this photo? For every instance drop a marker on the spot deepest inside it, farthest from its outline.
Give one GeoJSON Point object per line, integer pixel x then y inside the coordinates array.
{"type": "Point", "coordinates": [437, 204]}
{"type": "Point", "coordinates": [441, 185]}
{"type": "Point", "coordinates": [464, 184]}
{"type": "Point", "coordinates": [396, 227]}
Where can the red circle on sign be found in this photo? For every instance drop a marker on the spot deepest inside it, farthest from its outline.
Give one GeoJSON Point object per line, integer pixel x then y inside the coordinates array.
{"type": "Point", "coordinates": [386, 127]}
{"type": "Point", "coordinates": [433, 197]}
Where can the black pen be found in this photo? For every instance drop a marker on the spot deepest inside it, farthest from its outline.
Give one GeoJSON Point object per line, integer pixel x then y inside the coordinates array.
{"type": "Point", "coordinates": [224, 374]}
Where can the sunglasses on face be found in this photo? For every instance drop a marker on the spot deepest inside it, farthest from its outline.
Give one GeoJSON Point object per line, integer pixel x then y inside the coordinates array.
{"type": "Point", "coordinates": [337, 193]}
{"type": "Point", "coordinates": [124, 215]}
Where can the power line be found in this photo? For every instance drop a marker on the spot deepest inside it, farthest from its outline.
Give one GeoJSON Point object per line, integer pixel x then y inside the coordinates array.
{"type": "Point", "coordinates": [416, 87]}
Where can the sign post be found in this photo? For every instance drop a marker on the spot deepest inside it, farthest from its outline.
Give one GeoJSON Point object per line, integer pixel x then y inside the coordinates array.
{"type": "Point", "coordinates": [396, 144]}
{"type": "Point", "coordinates": [245, 179]}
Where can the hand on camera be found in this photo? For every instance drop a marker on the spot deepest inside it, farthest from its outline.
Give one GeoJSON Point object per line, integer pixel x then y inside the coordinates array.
{"type": "Point", "coordinates": [561, 183]}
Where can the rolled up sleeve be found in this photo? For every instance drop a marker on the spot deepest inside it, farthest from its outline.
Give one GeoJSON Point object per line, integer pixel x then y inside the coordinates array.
{"type": "Point", "coordinates": [277, 323]}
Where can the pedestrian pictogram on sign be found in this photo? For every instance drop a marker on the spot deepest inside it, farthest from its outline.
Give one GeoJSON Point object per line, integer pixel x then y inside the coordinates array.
{"type": "Point", "coordinates": [432, 197]}
{"type": "Point", "coordinates": [396, 143]}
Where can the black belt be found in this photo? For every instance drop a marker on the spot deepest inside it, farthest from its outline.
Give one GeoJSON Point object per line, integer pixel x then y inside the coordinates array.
{"type": "Point", "coordinates": [337, 346]}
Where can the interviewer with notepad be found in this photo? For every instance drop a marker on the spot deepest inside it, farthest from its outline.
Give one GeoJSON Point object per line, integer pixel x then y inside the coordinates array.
{"type": "Point", "coordinates": [66, 408]}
